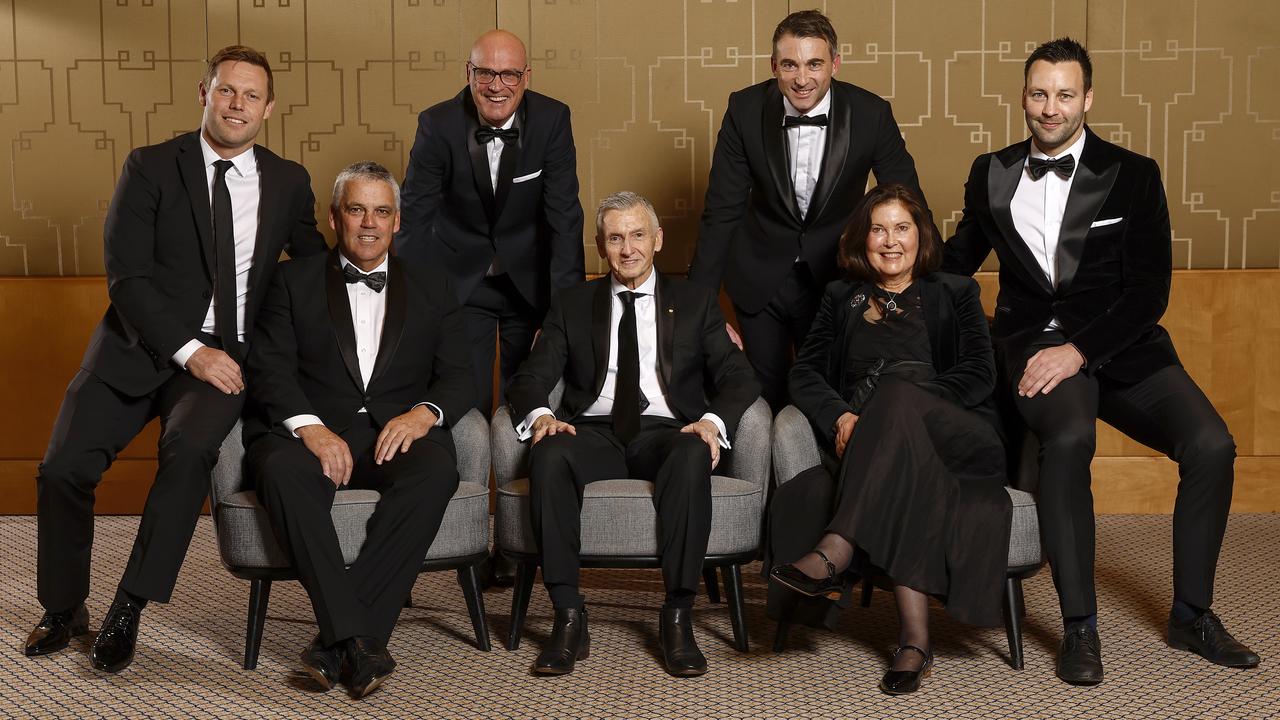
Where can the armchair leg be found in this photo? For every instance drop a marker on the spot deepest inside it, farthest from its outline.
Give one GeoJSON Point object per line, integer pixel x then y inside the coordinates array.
{"type": "Point", "coordinates": [713, 586]}
{"type": "Point", "coordinates": [259, 594]}
{"type": "Point", "coordinates": [867, 589]}
{"type": "Point", "coordinates": [737, 611]}
{"type": "Point", "coordinates": [1013, 620]}
{"type": "Point", "coordinates": [525, 570]}
{"type": "Point", "coordinates": [469, 579]}
{"type": "Point", "coordinates": [780, 637]}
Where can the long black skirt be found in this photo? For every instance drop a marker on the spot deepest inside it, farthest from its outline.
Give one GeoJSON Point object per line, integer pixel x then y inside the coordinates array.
{"type": "Point", "coordinates": [920, 494]}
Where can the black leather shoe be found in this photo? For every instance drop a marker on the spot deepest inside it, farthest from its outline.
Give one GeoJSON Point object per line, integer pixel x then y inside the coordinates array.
{"type": "Point", "coordinates": [902, 682]}
{"type": "Point", "coordinates": [502, 571]}
{"type": "Point", "coordinates": [792, 578]}
{"type": "Point", "coordinates": [679, 650]}
{"type": "Point", "coordinates": [569, 642]}
{"type": "Point", "coordinates": [323, 664]}
{"type": "Point", "coordinates": [370, 665]}
{"type": "Point", "coordinates": [1206, 637]}
{"type": "Point", "coordinates": [1080, 657]}
{"type": "Point", "coordinates": [56, 630]}
{"type": "Point", "coordinates": [113, 650]}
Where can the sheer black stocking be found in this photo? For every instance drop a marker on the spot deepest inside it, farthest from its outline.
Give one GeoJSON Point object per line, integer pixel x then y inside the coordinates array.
{"type": "Point", "coordinates": [913, 627]}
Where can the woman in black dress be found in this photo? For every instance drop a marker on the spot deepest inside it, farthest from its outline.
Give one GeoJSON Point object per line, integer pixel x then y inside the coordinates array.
{"type": "Point", "coordinates": [896, 377]}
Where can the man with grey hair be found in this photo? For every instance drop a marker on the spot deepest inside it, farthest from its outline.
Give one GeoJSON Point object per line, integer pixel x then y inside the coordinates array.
{"type": "Point", "coordinates": [370, 411]}
{"type": "Point", "coordinates": [635, 350]}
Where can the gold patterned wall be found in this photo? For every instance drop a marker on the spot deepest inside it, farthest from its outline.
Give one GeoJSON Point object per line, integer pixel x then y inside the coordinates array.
{"type": "Point", "coordinates": [1189, 82]}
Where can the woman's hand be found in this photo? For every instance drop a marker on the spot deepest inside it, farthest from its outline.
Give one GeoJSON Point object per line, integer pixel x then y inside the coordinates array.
{"type": "Point", "coordinates": [844, 430]}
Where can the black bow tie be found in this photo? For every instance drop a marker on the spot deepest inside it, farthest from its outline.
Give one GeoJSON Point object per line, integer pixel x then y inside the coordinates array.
{"type": "Point", "coordinates": [485, 133]}
{"type": "Point", "coordinates": [375, 280]}
{"type": "Point", "coordinates": [791, 121]}
{"type": "Point", "coordinates": [1063, 166]}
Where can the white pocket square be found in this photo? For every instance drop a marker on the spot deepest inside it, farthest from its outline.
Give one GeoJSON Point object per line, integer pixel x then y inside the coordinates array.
{"type": "Point", "coordinates": [523, 178]}
{"type": "Point", "coordinates": [1104, 223]}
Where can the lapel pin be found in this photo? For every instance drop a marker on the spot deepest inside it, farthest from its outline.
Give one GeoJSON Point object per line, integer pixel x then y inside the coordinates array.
{"type": "Point", "coordinates": [857, 300]}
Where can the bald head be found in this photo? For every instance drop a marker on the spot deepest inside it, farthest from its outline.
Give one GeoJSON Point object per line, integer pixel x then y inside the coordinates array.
{"type": "Point", "coordinates": [499, 45]}
{"type": "Point", "coordinates": [498, 73]}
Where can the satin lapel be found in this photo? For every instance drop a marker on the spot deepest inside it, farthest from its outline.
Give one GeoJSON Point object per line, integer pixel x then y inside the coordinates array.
{"type": "Point", "coordinates": [507, 164]}
{"type": "Point", "coordinates": [665, 307]}
{"type": "Point", "coordinates": [775, 149]}
{"type": "Point", "coordinates": [1095, 177]}
{"type": "Point", "coordinates": [340, 314]}
{"type": "Point", "coordinates": [601, 305]}
{"type": "Point", "coordinates": [839, 135]}
{"type": "Point", "coordinates": [264, 251]}
{"type": "Point", "coordinates": [191, 166]}
{"type": "Point", "coordinates": [479, 157]}
{"type": "Point", "coordinates": [1003, 175]}
{"type": "Point", "coordinates": [397, 291]}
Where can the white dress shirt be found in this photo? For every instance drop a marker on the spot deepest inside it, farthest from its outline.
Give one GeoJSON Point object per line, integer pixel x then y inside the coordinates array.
{"type": "Point", "coordinates": [806, 145]}
{"type": "Point", "coordinates": [647, 340]}
{"type": "Point", "coordinates": [243, 185]}
{"type": "Point", "coordinates": [1037, 209]}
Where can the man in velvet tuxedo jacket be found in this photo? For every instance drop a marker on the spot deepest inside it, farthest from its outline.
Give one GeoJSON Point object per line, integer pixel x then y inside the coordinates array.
{"type": "Point", "coordinates": [1081, 228]}
{"type": "Point", "coordinates": [790, 162]}
{"type": "Point", "coordinates": [192, 238]}
{"type": "Point", "coordinates": [355, 378]}
{"type": "Point", "coordinates": [636, 351]}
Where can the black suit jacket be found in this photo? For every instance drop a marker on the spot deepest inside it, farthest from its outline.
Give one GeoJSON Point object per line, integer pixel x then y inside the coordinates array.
{"type": "Point", "coordinates": [958, 337]}
{"type": "Point", "coordinates": [158, 243]}
{"type": "Point", "coordinates": [701, 369]}
{"type": "Point", "coordinates": [1113, 280]}
{"type": "Point", "coordinates": [454, 219]}
{"type": "Point", "coordinates": [304, 360]}
{"type": "Point", "coordinates": [751, 231]}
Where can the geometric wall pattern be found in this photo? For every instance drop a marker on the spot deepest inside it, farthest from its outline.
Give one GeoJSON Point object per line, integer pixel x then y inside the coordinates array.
{"type": "Point", "coordinates": [84, 81]}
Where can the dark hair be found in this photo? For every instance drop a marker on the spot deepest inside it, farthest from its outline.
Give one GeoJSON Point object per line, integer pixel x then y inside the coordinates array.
{"type": "Point", "coordinates": [852, 254]}
{"type": "Point", "coordinates": [1064, 49]}
{"type": "Point", "coordinates": [239, 53]}
{"type": "Point", "coordinates": [806, 24]}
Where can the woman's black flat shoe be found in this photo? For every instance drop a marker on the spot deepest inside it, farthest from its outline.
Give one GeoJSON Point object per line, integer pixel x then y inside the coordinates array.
{"type": "Point", "coordinates": [792, 578]}
{"type": "Point", "coordinates": [902, 682]}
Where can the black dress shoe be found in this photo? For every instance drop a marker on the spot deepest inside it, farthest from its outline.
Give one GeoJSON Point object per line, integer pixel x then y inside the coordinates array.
{"type": "Point", "coordinates": [370, 665]}
{"type": "Point", "coordinates": [323, 664]}
{"type": "Point", "coordinates": [56, 630]}
{"type": "Point", "coordinates": [502, 570]}
{"type": "Point", "coordinates": [1080, 657]}
{"type": "Point", "coordinates": [793, 578]}
{"type": "Point", "coordinates": [1206, 637]}
{"type": "Point", "coordinates": [113, 650]}
{"type": "Point", "coordinates": [679, 650]}
{"type": "Point", "coordinates": [569, 642]}
{"type": "Point", "coordinates": [902, 682]}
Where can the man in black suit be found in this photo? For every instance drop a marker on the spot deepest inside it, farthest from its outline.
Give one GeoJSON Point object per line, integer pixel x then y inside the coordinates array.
{"type": "Point", "coordinates": [1081, 228]}
{"type": "Point", "coordinates": [356, 374]}
{"type": "Point", "coordinates": [192, 239]}
{"type": "Point", "coordinates": [635, 350]}
{"type": "Point", "coordinates": [791, 160]}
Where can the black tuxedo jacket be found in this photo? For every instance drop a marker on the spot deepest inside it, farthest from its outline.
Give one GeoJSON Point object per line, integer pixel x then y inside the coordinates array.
{"type": "Point", "coordinates": [701, 369]}
{"type": "Point", "coordinates": [1114, 260]}
{"type": "Point", "coordinates": [158, 242]}
{"type": "Point", "coordinates": [304, 360]}
{"type": "Point", "coordinates": [751, 231]}
{"type": "Point", "coordinates": [454, 219]}
{"type": "Point", "coordinates": [958, 337]}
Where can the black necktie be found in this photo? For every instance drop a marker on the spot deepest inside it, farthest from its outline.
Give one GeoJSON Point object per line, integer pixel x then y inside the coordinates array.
{"type": "Point", "coordinates": [1063, 166]}
{"type": "Point", "coordinates": [485, 133]}
{"type": "Point", "coordinates": [626, 396]}
{"type": "Point", "coordinates": [224, 253]}
{"type": "Point", "coordinates": [374, 280]}
{"type": "Point", "coordinates": [791, 121]}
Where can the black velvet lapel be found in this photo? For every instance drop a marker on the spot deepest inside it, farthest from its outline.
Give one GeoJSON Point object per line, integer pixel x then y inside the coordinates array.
{"type": "Point", "coordinates": [664, 305]}
{"type": "Point", "coordinates": [775, 148]}
{"type": "Point", "coordinates": [601, 306]}
{"type": "Point", "coordinates": [1003, 175]}
{"type": "Point", "coordinates": [937, 308]}
{"type": "Point", "coordinates": [479, 156]}
{"type": "Point", "coordinates": [191, 166]}
{"type": "Point", "coordinates": [340, 313]}
{"type": "Point", "coordinates": [393, 322]}
{"type": "Point", "coordinates": [1095, 176]}
{"type": "Point", "coordinates": [839, 134]}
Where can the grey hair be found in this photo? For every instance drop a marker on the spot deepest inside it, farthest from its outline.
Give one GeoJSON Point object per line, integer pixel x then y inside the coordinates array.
{"type": "Point", "coordinates": [624, 200]}
{"type": "Point", "coordinates": [364, 170]}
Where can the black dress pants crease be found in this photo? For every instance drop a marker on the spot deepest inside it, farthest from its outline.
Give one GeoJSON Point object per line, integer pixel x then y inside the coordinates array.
{"type": "Point", "coordinates": [1166, 412]}
{"type": "Point", "coordinates": [771, 336]}
{"type": "Point", "coordinates": [678, 464]}
{"type": "Point", "coordinates": [364, 599]}
{"type": "Point", "coordinates": [94, 424]}
{"type": "Point", "coordinates": [496, 307]}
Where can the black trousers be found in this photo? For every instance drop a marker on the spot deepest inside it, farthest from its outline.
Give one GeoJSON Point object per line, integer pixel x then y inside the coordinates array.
{"type": "Point", "coordinates": [365, 599]}
{"type": "Point", "coordinates": [771, 337]}
{"type": "Point", "coordinates": [678, 464]}
{"type": "Point", "coordinates": [1166, 412]}
{"type": "Point", "coordinates": [497, 307]}
{"type": "Point", "coordinates": [94, 424]}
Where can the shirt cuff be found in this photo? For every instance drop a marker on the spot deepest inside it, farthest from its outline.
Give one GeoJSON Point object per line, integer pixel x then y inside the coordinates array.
{"type": "Point", "coordinates": [714, 419]}
{"type": "Point", "coordinates": [434, 409]}
{"type": "Point", "coordinates": [292, 424]}
{"type": "Point", "coordinates": [185, 352]}
{"type": "Point", "coordinates": [524, 430]}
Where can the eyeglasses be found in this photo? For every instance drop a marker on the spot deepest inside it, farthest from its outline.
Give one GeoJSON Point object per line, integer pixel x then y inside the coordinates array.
{"type": "Point", "coordinates": [484, 76]}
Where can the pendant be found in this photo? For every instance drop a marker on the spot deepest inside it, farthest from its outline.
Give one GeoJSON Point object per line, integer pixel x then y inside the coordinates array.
{"type": "Point", "coordinates": [891, 306]}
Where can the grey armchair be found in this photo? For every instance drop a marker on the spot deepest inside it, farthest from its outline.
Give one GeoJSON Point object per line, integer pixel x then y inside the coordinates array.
{"type": "Point", "coordinates": [619, 522]}
{"type": "Point", "coordinates": [249, 550]}
{"type": "Point", "coordinates": [796, 449]}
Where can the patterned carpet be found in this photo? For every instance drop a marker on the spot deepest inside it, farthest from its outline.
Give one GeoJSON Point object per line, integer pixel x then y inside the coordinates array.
{"type": "Point", "coordinates": [188, 662]}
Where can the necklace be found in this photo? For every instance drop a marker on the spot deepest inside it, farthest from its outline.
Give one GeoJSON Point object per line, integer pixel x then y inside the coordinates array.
{"type": "Point", "coordinates": [892, 305]}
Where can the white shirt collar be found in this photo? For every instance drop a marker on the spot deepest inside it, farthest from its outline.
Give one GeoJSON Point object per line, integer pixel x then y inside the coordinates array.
{"type": "Point", "coordinates": [1073, 151]}
{"type": "Point", "coordinates": [820, 109]}
{"type": "Point", "coordinates": [647, 287]}
{"type": "Point", "coordinates": [382, 267]}
{"type": "Point", "coordinates": [245, 163]}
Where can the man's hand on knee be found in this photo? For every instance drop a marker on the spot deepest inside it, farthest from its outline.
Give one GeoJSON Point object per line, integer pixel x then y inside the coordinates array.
{"type": "Point", "coordinates": [1049, 367]}
{"type": "Point", "coordinates": [549, 425]}
{"type": "Point", "coordinates": [330, 450]}
{"type": "Point", "coordinates": [709, 434]}
{"type": "Point", "coordinates": [400, 432]}
{"type": "Point", "coordinates": [215, 367]}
